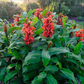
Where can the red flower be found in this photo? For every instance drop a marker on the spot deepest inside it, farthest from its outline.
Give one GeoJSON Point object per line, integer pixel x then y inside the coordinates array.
{"type": "Point", "coordinates": [28, 31]}
{"type": "Point", "coordinates": [81, 35]}
{"type": "Point", "coordinates": [49, 13]}
{"type": "Point", "coordinates": [37, 13]}
{"type": "Point", "coordinates": [77, 34]}
{"type": "Point", "coordinates": [12, 25]}
{"type": "Point", "coordinates": [16, 19]}
{"type": "Point", "coordinates": [48, 27]}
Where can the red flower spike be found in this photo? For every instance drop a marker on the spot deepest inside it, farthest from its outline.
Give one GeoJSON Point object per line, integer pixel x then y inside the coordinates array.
{"type": "Point", "coordinates": [28, 31]}
{"type": "Point", "coordinates": [48, 27]}
{"type": "Point", "coordinates": [16, 19]}
{"type": "Point", "coordinates": [38, 14]}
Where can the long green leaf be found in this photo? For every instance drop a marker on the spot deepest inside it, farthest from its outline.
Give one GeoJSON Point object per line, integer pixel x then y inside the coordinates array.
{"type": "Point", "coordinates": [55, 50]}
{"type": "Point", "coordinates": [34, 21]}
{"type": "Point", "coordinates": [51, 79]}
{"type": "Point", "coordinates": [45, 57]}
{"type": "Point", "coordinates": [2, 73]}
{"type": "Point", "coordinates": [29, 14]}
{"type": "Point", "coordinates": [9, 76]}
{"type": "Point", "coordinates": [12, 29]}
{"type": "Point", "coordinates": [44, 12]}
{"type": "Point", "coordinates": [16, 54]}
{"type": "Point", "coordinates": [78, 48]}
{"type": "Point", "coordinates": [51, 68]}
{"type": "Point", "coordinates": [41, 76]}
{"type": "Point", "coordinates": [39, 31]}
{"type": "Point", "coordinates": [32, 57]}
{"type": "Point", "coordinates": [69, 74]}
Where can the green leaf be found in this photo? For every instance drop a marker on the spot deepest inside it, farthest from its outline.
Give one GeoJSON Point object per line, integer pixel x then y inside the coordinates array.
{"type": "Point", "coordinates": [76, 56]}
{"type": "Point", "coordinates": [9, 67]}
{"type": "Point", "coordinates": [29, 14]}
{"type": "Point", "coordinates": [9, 76]}
{"type": "Point", "coordinates": [16, 81]}
{"type": "Point", "coordinates": [55, 60]}
{"type": "Point", "coordinates": [12, 29]}
{"type": "Point", "coordinates": [29, 75]}
{"type": "Point", "coordinates": [44, 12]}
{"type": "Point", "coordinates": [51, 68]}
{"type": "Point", "coordinates": [64, 26]}
{"type": "Point", "coordinates": [2, 73]}
{"type": "Point", "coordinates": [34, 21]}
{"type": "Point", "coordinates": [41, 76]}
{"type": "Point", "coordinates": [39, 24]}
{"type": "Point", "coordinates": [45, 57]}
{"type": "Point", "coordinates": [55, 50]}
{"type": "Point", "coordinates": [16, 54]}
{"type": "Point", "coordinates": [39, 31]}
{"type": "Point", "coordinates": [51, 79]}
{"type": "Point", "coordinates": [32, 57]}
{"type": "Point", "coordinates": [78, 48]}
{"type": "Point", "coordinates": [69, 74]}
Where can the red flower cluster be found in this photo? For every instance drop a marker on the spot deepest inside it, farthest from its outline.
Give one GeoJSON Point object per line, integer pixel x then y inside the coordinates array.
{"type": "Point", "coordinates": [80, 34]}
{"type": "Point", "coordinates": [59, 20]}
{"type": "Point", "coordinates": [16, 19]}
{"type": "Point", "coordinates": [37, 13]}
{"type": "Point", "coordinates": [48, 27]}
{"type": "Point", "coordinates": [48, 14]}
{"type": "Point", "coordinates": [28, 31]}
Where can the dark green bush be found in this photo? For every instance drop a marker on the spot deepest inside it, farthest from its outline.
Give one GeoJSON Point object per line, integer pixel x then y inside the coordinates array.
{"type": "Point", "coordinates": [76, 10]}
{"type": "Point", "coordinates": [11, 8]}
{"type": "Point", "coordinates": [3, 13]}
{"type": "Point", "coordinates": [70, 3]}
{"type": "Point", "coordinates": [80, 18]}
{"type": "Point", "coordinates": [64, 9]}
{"type": "Point", "coordinates": [33, 6]}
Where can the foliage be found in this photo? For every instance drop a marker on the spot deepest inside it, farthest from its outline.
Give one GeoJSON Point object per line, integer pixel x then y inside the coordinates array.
{"type": "Point", "coordinates": [11, 8]}
{"type": "Point", "coordinates": [76, 10]}
{"type": "Point", "coordinates": [80, 18]}
{"type": "Point", "coordinates": [44, 3]}
{"type": "Point", "coordinates": [70, 3]}
{"type": "Point", "coordinates": [56, 58]}
{"type": "Point", "coordinates": [33, 6]}
{"type": "Point", "coordinates": [3, 13]}
{"type": "Point", "coordinates": [64, 9]}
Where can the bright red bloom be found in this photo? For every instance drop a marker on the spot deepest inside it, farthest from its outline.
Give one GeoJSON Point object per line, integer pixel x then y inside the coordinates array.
{"type": "Point", "coordinates": [28, 31]}
{"type": "Point", "coordinates": [59, 20]}
{"type": "Point", "coordinates": [37, 13]}
{"type": "Point", "coordinates": [12, 25]}
{"type": "Point", "coordinates": [77, 34]}
{"type": "Point", "coordinates": [48, 27]}
{"type": "Point", "coordinates": [16, 19]}
{"type": "Point", "coordinates": [81, 35]}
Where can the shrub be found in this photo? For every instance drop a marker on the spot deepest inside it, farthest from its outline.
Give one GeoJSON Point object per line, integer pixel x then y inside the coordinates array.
{"type": "Point", "coordinates": [76, 10]}
{"type": "Point", "coordinates": [33, 6]}
{"type": "Point", "coordinates": [64, 9]}
{"type": "Point", "coordinates": [80, 18]}
{"type": "Point", "coordinates": [71, 2]}
{"type": "Point", "coordinates": [3, 13]}
{"type": "Point", "coordinates": [11, 8]}
{"type": "Point", "coordinates": [37, 50]}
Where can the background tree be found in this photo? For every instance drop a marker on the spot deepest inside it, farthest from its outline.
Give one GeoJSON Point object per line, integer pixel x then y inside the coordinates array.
{"type": "Point", "coordinates": [44, 3]}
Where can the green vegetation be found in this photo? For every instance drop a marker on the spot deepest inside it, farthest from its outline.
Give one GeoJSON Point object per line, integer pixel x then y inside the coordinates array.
{"type": "Point", "coordinates": [80, 25]}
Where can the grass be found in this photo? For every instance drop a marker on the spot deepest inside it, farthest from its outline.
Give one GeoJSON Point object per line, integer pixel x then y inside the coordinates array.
{"type": "Point", "coordinates": [80, 25]}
